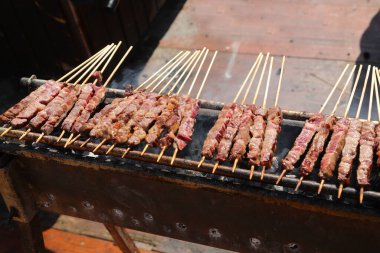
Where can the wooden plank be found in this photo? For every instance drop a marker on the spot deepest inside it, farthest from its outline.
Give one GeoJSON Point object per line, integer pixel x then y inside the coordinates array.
{"type": "Point", "coordinates": [93, 25]}
{"type": "Point", "coordinates": [67, 49]}
{"type": "Point", "coordinates": [122, 239]}
{"type": "Point", "coordinates": [27, 14]}
{"type": "Point", "coordinates": [16, 38]}
{"type": "Point", "coordinates": [125, 12]}
{"type": "Point", "coordinates": [306, 28]}
{"type": "Point", "coordinates": [151, 9]}
{"type": "Point", "coordinates": [7, 59]}
{"type": "Point", "coordinates": [141, 16]}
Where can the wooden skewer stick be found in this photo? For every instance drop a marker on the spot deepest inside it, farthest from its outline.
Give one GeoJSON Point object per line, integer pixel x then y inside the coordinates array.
{"type": "Point", "coordinates": [144, 150]}
{"type": "Point", "coordinates": [24, 134]}
{"type": "Point", "coordinates": [99, 145]}
{"type": "Point", "coordinates": [95, 60]}
{"type": "Point", "coordinates": [85, 142]}
{"type": "Point", "coordinates": [170, 69]}
{"type": "Point", "coordinates": [197, 97]}
{"type": "Point", "coordinates": [126, 152]}
{"type": "Point", "coordinates": [40, 137]}
{"type": "Point", "coordinates": [182, 85]}
{"type": "Point", "coordinates": [6, 131]}
{"type": "Point", "coordinates": [80, 67]}
{"type": "Point", "coordinates": [61, 135]}
{"type": "Point", "coordinates": [161, 153]}
{"type": "Point", "coordinates": [257, 66]}
{"type": "Point", "coordinates": [206, 75]}
{"type": "Point", "coordinates": [184, 72]}
{"type": "Point", "coordinates": [333, 89]}
{"type": "Point", "coordinates": [188, 63]}
{"type": "Point", "coordinates": [159, 71]}
{"type": "Point", "coordinates": [320, 111]}
{"type": "Point", "coordinates": [197, 73]}
{"type": "Point", "coordinates": [215, 167]}
{"type": "Point", "coordinates": [191, 70]}
{"type": "Point", "coordinates": [174, 156]}
{"type": "Point", "coordinates": [253, 68]}
{"type": "Point", "coordinates": [254, 102]}
{"type": "Point", "coordinates": [108, 81]}
{"type": "Point", "coordinates": [117, 66]}
{"type": "Point", "coordinates": [93, 67]}
{"type": "Point", "coordinates": [261, 78]}
{"type": "Point", "coordinates": [361, 194]}
{"type": "Point", "coordinates": [335, 108]}
{"type": "Point", "coordinates": [264, 104]}
{"type": "Point", "coordinates": [112, 50]}
{"type": "Point", "coordinates": [340, 188]}
{"type": "Point", "coordinates": [280, 81]}
{"type": "Point", "coordinates": [70, 140]}
{"type": "Point", "coordinates": [258, 87]}
{"type": "Point", "coordinates": [110, 149]}
{"type": "Point", "coordinates": [321, 186]}
{"type": "Point", "coordinates": [82, 64]}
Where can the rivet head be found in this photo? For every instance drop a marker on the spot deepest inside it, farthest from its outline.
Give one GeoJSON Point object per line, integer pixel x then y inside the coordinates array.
{"type": "Point", "coordinates": [181, 227]}
{"type": "Point", "coordinates": [214, 233]}
{"type": "Point", "coordinates": [255, 243]}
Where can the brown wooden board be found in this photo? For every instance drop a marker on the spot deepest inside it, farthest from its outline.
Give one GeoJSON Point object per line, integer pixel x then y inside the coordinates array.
{"type": "Point", "coordinates": [21, 48]}
{"type": "Point", "coordinates": [30, 21]}
{"type": "Point", "coordinates": [314, 29]}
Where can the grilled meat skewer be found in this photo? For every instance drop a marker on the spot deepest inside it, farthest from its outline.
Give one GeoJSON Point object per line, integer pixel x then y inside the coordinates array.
{"type": "Point", "coordinates": [349, 151]}
{"type": "Point", "coordinates": [257, 131]}
{"type": "Point", "coordinates": [12, 112]}
{"type": "Point", "coordinates": [333, 151]}
{"type": "Point", "coordinates": [217, 131]}
{"type": "Point", "coordinates": [366, 150]}
{"type": "Point", "coordinates": [272, 131]}
{"type": "Point", "coordinates": [230, 133]}
{"type": "Point", "coordinates": [243, 137]}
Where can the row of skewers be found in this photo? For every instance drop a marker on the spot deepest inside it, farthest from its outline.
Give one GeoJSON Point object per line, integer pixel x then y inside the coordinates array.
{"type": "Point", "coordinates": [351, 138]}
{"type": "Point", "coordinates": [163, 118]}
{"type": "Point", "coordinates": [167, 118]}
{"type": "Point", "coordinates": [251, 131]}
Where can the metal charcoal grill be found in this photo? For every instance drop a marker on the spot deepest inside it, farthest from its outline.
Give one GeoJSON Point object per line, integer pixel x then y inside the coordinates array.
{"type": "Point", "coordinates": [224, 210]}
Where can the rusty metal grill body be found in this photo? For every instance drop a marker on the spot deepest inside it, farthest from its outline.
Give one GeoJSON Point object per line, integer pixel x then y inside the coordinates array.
{"type": "Point", "coordinates": [224, 210]}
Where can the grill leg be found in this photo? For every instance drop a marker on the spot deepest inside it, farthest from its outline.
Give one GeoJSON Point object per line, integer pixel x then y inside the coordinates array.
{"type": "Point", "coordinates": [122, 239]}
{"type": "Point", "coordinates": [31, 237]}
